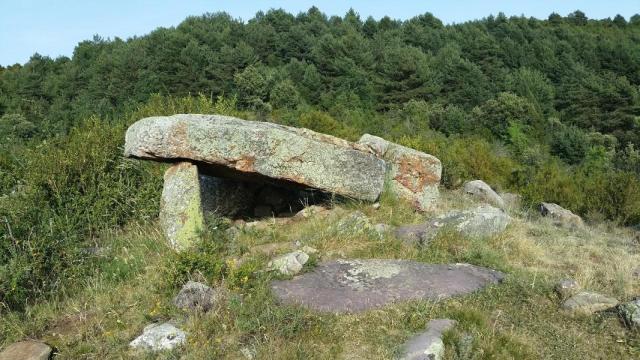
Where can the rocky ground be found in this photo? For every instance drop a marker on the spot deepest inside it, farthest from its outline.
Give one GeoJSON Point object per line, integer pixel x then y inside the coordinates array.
{"type": "Point", "coordinates": [553, 293]}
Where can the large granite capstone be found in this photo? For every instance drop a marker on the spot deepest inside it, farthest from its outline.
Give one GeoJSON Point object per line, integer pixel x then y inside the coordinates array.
{"type": "Point", "coordinates": [245, 150]}
{"type": "Point", "coordinates": [356, 285]}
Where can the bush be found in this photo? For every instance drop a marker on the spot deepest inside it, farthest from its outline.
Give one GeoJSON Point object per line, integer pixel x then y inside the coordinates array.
{"type": "Point", "coordinates": [71, 189]}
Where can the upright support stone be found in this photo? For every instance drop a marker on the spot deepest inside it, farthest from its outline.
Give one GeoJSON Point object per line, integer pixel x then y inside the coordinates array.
{"type": "Point", "coordinates": [412, 175]}
{"type": "Point", "coordinates": [181, 212]}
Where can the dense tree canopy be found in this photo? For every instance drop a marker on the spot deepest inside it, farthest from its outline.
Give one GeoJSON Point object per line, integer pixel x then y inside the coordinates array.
{"type": "Point", "coordinates": [583, 72]}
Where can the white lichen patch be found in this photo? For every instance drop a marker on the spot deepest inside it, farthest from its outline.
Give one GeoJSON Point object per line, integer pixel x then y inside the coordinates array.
{"type": "Point", "coordinates": [362, 272]}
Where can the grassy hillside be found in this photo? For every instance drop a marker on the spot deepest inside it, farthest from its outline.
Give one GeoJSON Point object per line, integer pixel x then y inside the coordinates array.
{"type": "Point", "coordinates": [548, 109]}
{"type": "Point", "coordinates": [519, 319]}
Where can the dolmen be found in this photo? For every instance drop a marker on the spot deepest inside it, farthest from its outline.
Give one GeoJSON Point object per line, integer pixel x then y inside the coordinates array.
{"type": "Point", "coordinates": [232, 167]}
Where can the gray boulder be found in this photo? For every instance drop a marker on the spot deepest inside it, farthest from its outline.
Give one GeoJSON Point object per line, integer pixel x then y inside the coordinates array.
{"type": "Point", "coordinates": [27, 350]}
{"type": "Point", "coordinates": [566, 288]}
{"type": "Point", "coordinates": [181, 214]}
{"type": "Point", "coordinates": [630, 313]}
{"type": "Point", "coordinates": [289, 264]}
{"type": "Point", "coordinates": [480, 190]}
{"type": "Point", "coordinates": [589, 302]}
{"type": "Point", "coordinates": [428, 345]}
{"type": "Point", "coordinates": [260, 152]}
{"type": "Point", "coordinates": [195, 296]}
{"type": "Point", "coordinates": [560, 215]}
{"type": "Point", "coordinates": [158, 337]}
{"type": "Point", "coordinates": [412, 175]}
{"type": "Point", "coordinates": [357, 285]}
{"type": "Point", "coordinates": [483, 221]}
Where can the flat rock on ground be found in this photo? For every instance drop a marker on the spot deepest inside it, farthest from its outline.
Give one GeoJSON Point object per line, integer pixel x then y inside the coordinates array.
{"type": "Point", "coordinates": [158, 337]}
{"type": "Point", "coordinates": [482, 221]}
{"type": "Point", "coordinates": [428, 345]}
{"type": "Point", "coordinates": [589, 302]}
{"type": "Point", "coordinates": [26, 350]}
{"type": "Point", "coordinates": [358, 285]}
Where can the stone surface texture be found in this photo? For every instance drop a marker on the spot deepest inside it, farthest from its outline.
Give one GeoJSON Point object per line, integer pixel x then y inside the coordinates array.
{"type": "Point", "coordinates": [26, 350]}
{"type": "Point", "coordinates": [566, 288]}
{"type": "Point", "coordinates": [158, 337]}
{"type": "Point", "coordinates": [412, 175]}
{"type": "Point", "coordinates": [560, 215]}
{"type": "Point", "coordinates": [589, 302]}
{"type": "Point", "coordinates": [428, 345]}
{"type": "Point", "coordinates": [482, 191]}
{"type": "Point", "coordinates": [357, 285]}
{"type": "Point", "coordinates": [181, 214]}
{"type": "Point", "coordinates": [289, 264]}
{"type": "Point", "coordinates": [195, 296]}
{"type": "Point", "coordinates": [242, 149]}
{"type": "Point", "coordinates": [630, 313]}
{"type": "Point", "coordinates": [483, 221]}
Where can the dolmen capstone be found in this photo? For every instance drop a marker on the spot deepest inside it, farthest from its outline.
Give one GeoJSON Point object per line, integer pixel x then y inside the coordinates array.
{"type": "Point", "coordinates": [230, 166]}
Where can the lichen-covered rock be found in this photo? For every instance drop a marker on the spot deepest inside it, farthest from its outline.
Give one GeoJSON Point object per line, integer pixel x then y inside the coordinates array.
{"type": "Point", "coordinates": [195, 296]}
{"type": "Point", "coordinates": [412, 175]}
{"type": "Point", "coordinates": [250, 150]}
{"type": "Point", "coordinates": [480, 190]}
{"type": "Point", "coordinates": [483, 221]}
{"type": "Point", "coordinates": [428, 345]}
{"type": "Point", "coordinates": [560, 215]}
{"type": "Point", "coordinates": [630, 313]}
{"type": "Point", "coordinates": [158, 337]}
{"type": "Point", "coordinates": [566, 288]}
{"type": "Point", "coordinates": [26, 350]}
{"type": "Point", "coordinates": [589, 302]}
{"type": "Point", "coordinates": [289, 264]}
{"type": "Point", "coordinates": [357, 285]}
{"type": "Point", "coordinates": [181, 214]}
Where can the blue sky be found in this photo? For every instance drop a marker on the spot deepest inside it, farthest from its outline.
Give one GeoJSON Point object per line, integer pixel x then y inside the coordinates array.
{"type": "Point", "coordinates": [54, 27]}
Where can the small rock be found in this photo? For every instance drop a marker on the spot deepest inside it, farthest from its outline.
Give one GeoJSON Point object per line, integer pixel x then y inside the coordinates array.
{"type": "Point", "coordinates": [484, 192]}
{"type": "Point", "coordinates": [248, 354]}
{"type": "Point", "coordinates": [428, 345]}
{"type": "Point", "coordinates": [560, 215]}
{"type": "Point", "coordinates": [196, 296]}
{"type": "Point", "coordinates": [310, 211]}
{"type": "Point", "coordinates": [376, 206]}
{"type": "Point", "coordinates": [566, 288]}
{"type": "Point", "coordinates": [630, 313]}
{"type": "Point", "coordinates": [589, 302]}
{"type": "Point", "coordinates": [483, 221]}
{"type": "Point", "coordinates": [309, 250]}
{"type": "Point", "coordinates": [289, 264]}
{"type": "Point", "coordinates": [157, 337]}
{"type": "Point", "coordinates": [26, 350]}
{"type": "Point", "coordinates": [636, 273]}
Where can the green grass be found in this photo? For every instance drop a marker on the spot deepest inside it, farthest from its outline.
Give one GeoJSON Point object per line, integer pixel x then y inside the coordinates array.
{"type": "Point", "coordinates": [518, 319]}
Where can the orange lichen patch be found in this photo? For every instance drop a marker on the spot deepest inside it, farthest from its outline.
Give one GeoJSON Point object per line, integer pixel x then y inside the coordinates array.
{"type": "Point", "coordinates": [414, 174]}
{"type": "Point", "coordinates": [245, 163]}
{"type": "Point", "coordinates": [178, 140]}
